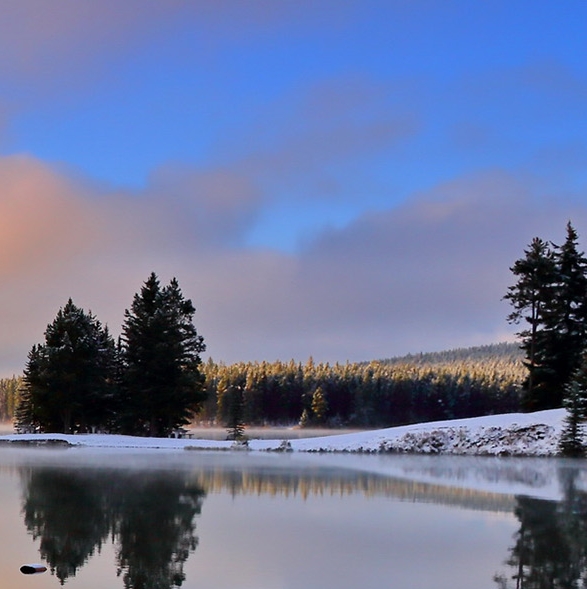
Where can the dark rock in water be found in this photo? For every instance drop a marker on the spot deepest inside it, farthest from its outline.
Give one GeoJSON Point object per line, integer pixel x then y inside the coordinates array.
{"type": "Point", "coordinates": [32, 569]}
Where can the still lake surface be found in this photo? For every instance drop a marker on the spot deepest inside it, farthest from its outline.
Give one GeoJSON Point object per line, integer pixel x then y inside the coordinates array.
{"type": "Point", "coordinates": [220, 520]}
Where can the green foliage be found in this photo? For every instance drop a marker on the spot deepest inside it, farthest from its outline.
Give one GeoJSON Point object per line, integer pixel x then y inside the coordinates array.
{"type": "Point", "coordinates": [319, 405]}
{"type": "Point", "coordinates": [530, 298]}
{"type": "Point", "coordinates": [449, 384]}
{"type": "Point", "coordinates": [550, 299]}
{"type": "Point", "coordinates": [504, 353]}
{"type": "Point", "coordinates": [79, 380]}
{"type": "Point", "coordinates": [234, 398]}
{"type": "Point", "coordinates": [9, 394]}
{"type": "Point", "coordinates": [162, 382]}
{"type": "Point", "coordinates": [68, 380]}
{"type": "Point", "coordinates": [382, 393]}
{"type": "Point", "coordinates": [305, 419]}
{"type": "Point", "coordinates": [572, 440]}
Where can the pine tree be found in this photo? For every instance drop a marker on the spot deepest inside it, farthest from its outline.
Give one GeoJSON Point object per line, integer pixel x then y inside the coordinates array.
{"type": "Point", "coordinates": [26, 418]}
{"type": "Point", "coordinates": [551, 296]}
{"type": "Point", "coordinates": [530, 298]}
{"type": "Point", "coordinates": [235, 424]}
{"type": "Point", "coordinates": [566, 316]}
{"type": "Point", "coordinates": [572, 440]}
{"type": "Point", "coordinates": [162, 383]}
{"type": "Point", "coordinates": [68, 380]}
{"type": "Point", "coordinates": [319, 405]}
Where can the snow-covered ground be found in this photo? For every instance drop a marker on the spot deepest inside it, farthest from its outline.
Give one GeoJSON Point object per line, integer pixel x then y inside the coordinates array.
{"type": "Point", "coordinates": [515, 434]}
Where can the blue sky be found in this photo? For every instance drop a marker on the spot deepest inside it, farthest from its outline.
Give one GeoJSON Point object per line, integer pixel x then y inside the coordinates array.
{"type": "Point", "coordinates": [342, 179]}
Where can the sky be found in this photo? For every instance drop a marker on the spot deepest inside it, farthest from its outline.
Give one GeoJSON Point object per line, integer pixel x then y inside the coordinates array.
{"type": "Point", "coordinates": [345, 180]}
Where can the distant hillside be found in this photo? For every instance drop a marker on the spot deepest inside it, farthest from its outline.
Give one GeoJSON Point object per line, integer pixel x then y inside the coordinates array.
{"type": "Point", "coordinates": [502, 352]}
{"type": "Point", "coordinates": [420, 387]}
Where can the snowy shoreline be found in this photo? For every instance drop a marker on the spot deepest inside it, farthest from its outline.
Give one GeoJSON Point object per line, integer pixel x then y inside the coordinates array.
{"type": "Point", "coordinates": [515, 434]}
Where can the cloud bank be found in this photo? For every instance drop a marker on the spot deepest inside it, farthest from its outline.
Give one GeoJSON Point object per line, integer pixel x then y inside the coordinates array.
{"type": "Point", "coordinates": [428, 274]}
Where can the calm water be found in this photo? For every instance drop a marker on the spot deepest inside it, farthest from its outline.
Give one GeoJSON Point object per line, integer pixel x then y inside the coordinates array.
{"type": "Point", "coordinates": [154, 519]}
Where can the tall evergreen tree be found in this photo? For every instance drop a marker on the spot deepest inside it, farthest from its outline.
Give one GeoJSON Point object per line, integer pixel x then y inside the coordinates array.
{"type": "Point", "coordinates": [162, 383]}
{"type": "Point", "coordinates": [68, 380]}
{"type": "Point", "coordinates": [319, 405]}
{"type": "Point", "coordinates": [572, 441]}
{"type": "Point", "coordinates": [235, 424]}
{"type": "Point", "coordinates": [551, 296]}
{"type": "Point", "coordinates": [566, 315]}
{"type": "Point", "coordinates": [530, 298]}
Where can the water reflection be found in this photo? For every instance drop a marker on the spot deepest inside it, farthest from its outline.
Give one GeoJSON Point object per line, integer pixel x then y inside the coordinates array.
{"type": "Point", "coordinates": [149, 517]}
{"type": "Point", "coordinates": [550, 549]}
{"type": "Point", "coordinates": [340, 482]}
{"type": "Point", "coordinates": [148, 512]}
{"type": "Point", "coordinates": [364, 513]}
{"type": "Point", "coordinates": [64, 511]}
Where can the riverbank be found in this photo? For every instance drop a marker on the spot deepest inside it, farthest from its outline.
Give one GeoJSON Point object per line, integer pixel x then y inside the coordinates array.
{"type": "Point", "coordinates": [515, 434]}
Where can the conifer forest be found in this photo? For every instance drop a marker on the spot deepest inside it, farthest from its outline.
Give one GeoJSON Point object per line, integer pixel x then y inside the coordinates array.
{"type": "Point", "coordinates": [461, 383]}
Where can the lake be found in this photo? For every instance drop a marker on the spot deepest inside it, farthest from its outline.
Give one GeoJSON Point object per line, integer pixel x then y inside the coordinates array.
{"type": "Point", "coordinates": [220, 520]}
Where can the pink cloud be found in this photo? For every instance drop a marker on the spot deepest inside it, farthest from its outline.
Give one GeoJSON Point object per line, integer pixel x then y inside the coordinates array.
{"type": "Point", "coordinates": [41, 216]}
{"type": "Point", "coordinates": [427, 275]}
{"type": "Point", "coordinates": [61, 238]}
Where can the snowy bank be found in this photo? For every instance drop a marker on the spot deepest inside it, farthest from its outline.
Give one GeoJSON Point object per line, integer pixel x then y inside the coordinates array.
{"type": "Point", "coordinates": [515, 434]}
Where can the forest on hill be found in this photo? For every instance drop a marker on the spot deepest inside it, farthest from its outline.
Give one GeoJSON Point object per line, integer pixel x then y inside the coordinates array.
{"type": "Point", "coordinates": [444, 385]}
{"type": "Point", "coordinates": [504, 352]}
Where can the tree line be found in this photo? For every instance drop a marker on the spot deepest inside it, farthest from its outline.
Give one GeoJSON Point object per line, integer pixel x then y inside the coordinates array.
{"type": "Point", "coordinates": [442, 385]}
{"type": "Point", "coordinates": [379, 393]}
{"type": "Point", "coordinates": [147, 383]}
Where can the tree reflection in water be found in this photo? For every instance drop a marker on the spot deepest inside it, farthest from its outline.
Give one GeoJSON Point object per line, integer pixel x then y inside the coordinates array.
{"type": "Point", "coordinates": [66, 511]}
{"type": "Point", "coordinates": [149, 515]}
{"type": "Point", "coordinates": [550, 550]}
